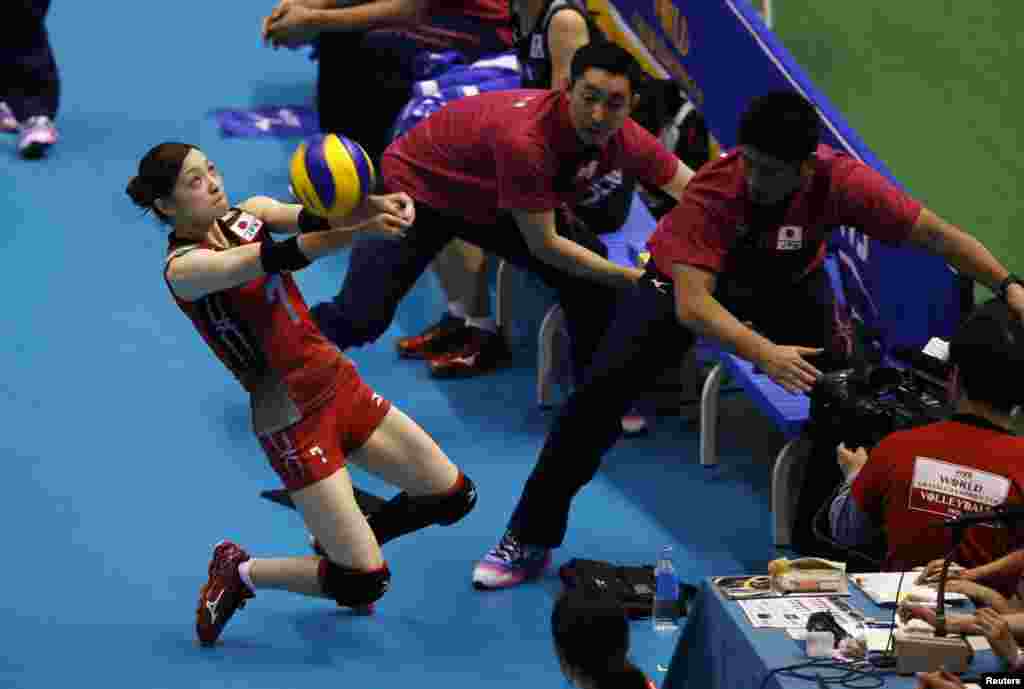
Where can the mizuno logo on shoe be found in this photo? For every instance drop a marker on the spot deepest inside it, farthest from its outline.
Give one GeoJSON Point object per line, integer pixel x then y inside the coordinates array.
{"type": "Point", "coordinates": [211, 607]}
{"type": "Point", "coordinates": [465, 360]}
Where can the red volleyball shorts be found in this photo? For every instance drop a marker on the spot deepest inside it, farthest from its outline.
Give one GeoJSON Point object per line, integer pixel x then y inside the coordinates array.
{"type": "Point", "coordinates": [318, 445]}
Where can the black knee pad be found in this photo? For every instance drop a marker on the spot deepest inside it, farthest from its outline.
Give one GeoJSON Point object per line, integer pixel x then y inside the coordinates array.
{"type": "Point", "coordinates": [449, 509]}
{"type": "Point", "coordinates": [353, 587]}
{"type": "Point", "coordinates": [404, 514]}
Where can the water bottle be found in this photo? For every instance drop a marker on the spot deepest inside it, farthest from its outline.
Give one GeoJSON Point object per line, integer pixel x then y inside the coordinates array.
{"type": "Point", "coordinates": [666, 593]}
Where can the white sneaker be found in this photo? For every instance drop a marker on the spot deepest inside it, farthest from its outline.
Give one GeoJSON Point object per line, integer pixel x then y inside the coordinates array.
{"type": "Point", "coordinates": [634, 423]}
{"type": "Point", "coordinates": [36, 136]}
{"type": "Point", "coordinates": [8, 122]}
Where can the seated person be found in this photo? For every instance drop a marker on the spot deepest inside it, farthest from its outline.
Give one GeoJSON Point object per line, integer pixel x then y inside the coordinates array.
{"type": "Point", "coordinates": [465, 341]}
{"type": "Point", "coordinates": [366, 51]}
{"type": "Point", "coordinates": [592, 642]}
{"type": "Point", "coordinates": [915, 479]}
{"type": "Point", "coordinates": [386, 36]}
{"type": "Point", "coordinates": [493, 170]}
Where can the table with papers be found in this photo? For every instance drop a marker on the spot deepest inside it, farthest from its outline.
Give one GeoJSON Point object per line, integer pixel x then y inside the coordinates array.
{"type": "Point", "coordinates": [721, 649]}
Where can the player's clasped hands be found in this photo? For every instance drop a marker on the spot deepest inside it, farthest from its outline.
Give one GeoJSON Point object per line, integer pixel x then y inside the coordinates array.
{"type": "Point", "coordinates": [384, 225]}
{"type": "Point", "coordinates": [400, 204]}
{"type": "Point", "coordinates": [787, 366]}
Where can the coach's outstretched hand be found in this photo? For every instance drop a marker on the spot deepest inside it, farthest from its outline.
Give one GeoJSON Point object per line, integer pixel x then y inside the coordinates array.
{"type": "Point", "coordinates": [787, 366]}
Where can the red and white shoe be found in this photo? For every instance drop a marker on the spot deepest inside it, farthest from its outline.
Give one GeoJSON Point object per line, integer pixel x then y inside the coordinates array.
{"type": "Point", "coordinates": [447, 335]}
{"type": "Point", "coordinates": [482, 352]}
{"type": "Point", "coordinates": [223, 593]}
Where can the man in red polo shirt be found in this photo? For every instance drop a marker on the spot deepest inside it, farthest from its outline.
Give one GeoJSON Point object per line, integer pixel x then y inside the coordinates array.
{"type": "Point", "coordinates": [914, 480]}
{"type": "Point", "coordinates": [746, 242]}
{"type": "Point", "coordinates": [492, 170]}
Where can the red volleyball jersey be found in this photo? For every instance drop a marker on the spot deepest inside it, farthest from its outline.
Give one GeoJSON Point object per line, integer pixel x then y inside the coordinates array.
{"type": "Point", "coordinates": [263, 333]}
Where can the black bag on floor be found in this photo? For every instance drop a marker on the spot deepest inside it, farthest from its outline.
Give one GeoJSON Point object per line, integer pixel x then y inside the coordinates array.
{"type": "Point", "coordinates": [633, 587]}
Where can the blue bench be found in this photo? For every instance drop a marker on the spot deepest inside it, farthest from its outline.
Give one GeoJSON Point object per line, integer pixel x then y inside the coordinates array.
{"type": "Point", "coordinates": [786, 410]}
{"type": "Point", "coordinates": [789, 412]}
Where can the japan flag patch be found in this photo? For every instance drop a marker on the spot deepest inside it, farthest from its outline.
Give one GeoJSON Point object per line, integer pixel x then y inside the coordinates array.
{"type": "Point", "coordinates": [246, 226]}
{"type": "Point", "coordinates": [791, 238]}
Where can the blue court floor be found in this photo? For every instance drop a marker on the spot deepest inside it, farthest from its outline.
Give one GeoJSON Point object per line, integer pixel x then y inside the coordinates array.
{"type": "Point", "coordinates": [127, 447]}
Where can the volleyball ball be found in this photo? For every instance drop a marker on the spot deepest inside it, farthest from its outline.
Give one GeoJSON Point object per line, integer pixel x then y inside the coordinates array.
{"type": "Point", "coordinates": [331, 175]}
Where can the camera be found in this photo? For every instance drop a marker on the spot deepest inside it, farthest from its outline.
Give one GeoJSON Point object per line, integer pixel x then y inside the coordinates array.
{"type": "Point", "coordinates": [859, 408]}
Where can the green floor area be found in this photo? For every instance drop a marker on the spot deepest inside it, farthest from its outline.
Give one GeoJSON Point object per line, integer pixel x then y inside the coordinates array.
{"type": "Point", "coordinates": [930, 87]}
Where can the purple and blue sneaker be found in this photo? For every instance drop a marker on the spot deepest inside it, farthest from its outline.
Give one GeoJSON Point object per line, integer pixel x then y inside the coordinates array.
{"type": "Point", "coordinates": [36, 136]}
{"type": "Point", "coordinates": [510, 563]}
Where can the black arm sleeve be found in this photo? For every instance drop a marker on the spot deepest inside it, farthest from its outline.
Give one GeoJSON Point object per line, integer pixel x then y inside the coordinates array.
{"type": "Point", "coordinates": [312, 223]}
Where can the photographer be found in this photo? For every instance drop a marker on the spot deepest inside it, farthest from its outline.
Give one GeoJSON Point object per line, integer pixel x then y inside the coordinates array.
{"type": "Point", "coordinates": [915, 479]}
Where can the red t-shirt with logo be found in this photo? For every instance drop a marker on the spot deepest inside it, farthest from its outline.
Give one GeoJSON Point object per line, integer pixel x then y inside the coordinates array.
{"type": "Point", "coordinates": [513, 150]}
{"type": "Point", "coordinates": [916, 479]}
{"type": "Point", "coordinates": [715, 225]}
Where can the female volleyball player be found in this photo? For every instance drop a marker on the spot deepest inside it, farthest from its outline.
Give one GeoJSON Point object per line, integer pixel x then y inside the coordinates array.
{"type": "Point", "coordinates": [310, 410]}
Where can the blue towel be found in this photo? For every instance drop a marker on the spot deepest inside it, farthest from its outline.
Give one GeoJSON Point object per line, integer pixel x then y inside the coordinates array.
{"type": "Point", "coordinates": [279, 122]}
{"type": "Point", "coordinates": [450, 93]}
{"type": "Point", "coordinates": [465, 76]}
{"type": "Point", "coordinates": [429, 64]}
{"type": "Point", "coordinates": [414, 111]}
{"type": "Point", "coordinates": [496, 73]}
